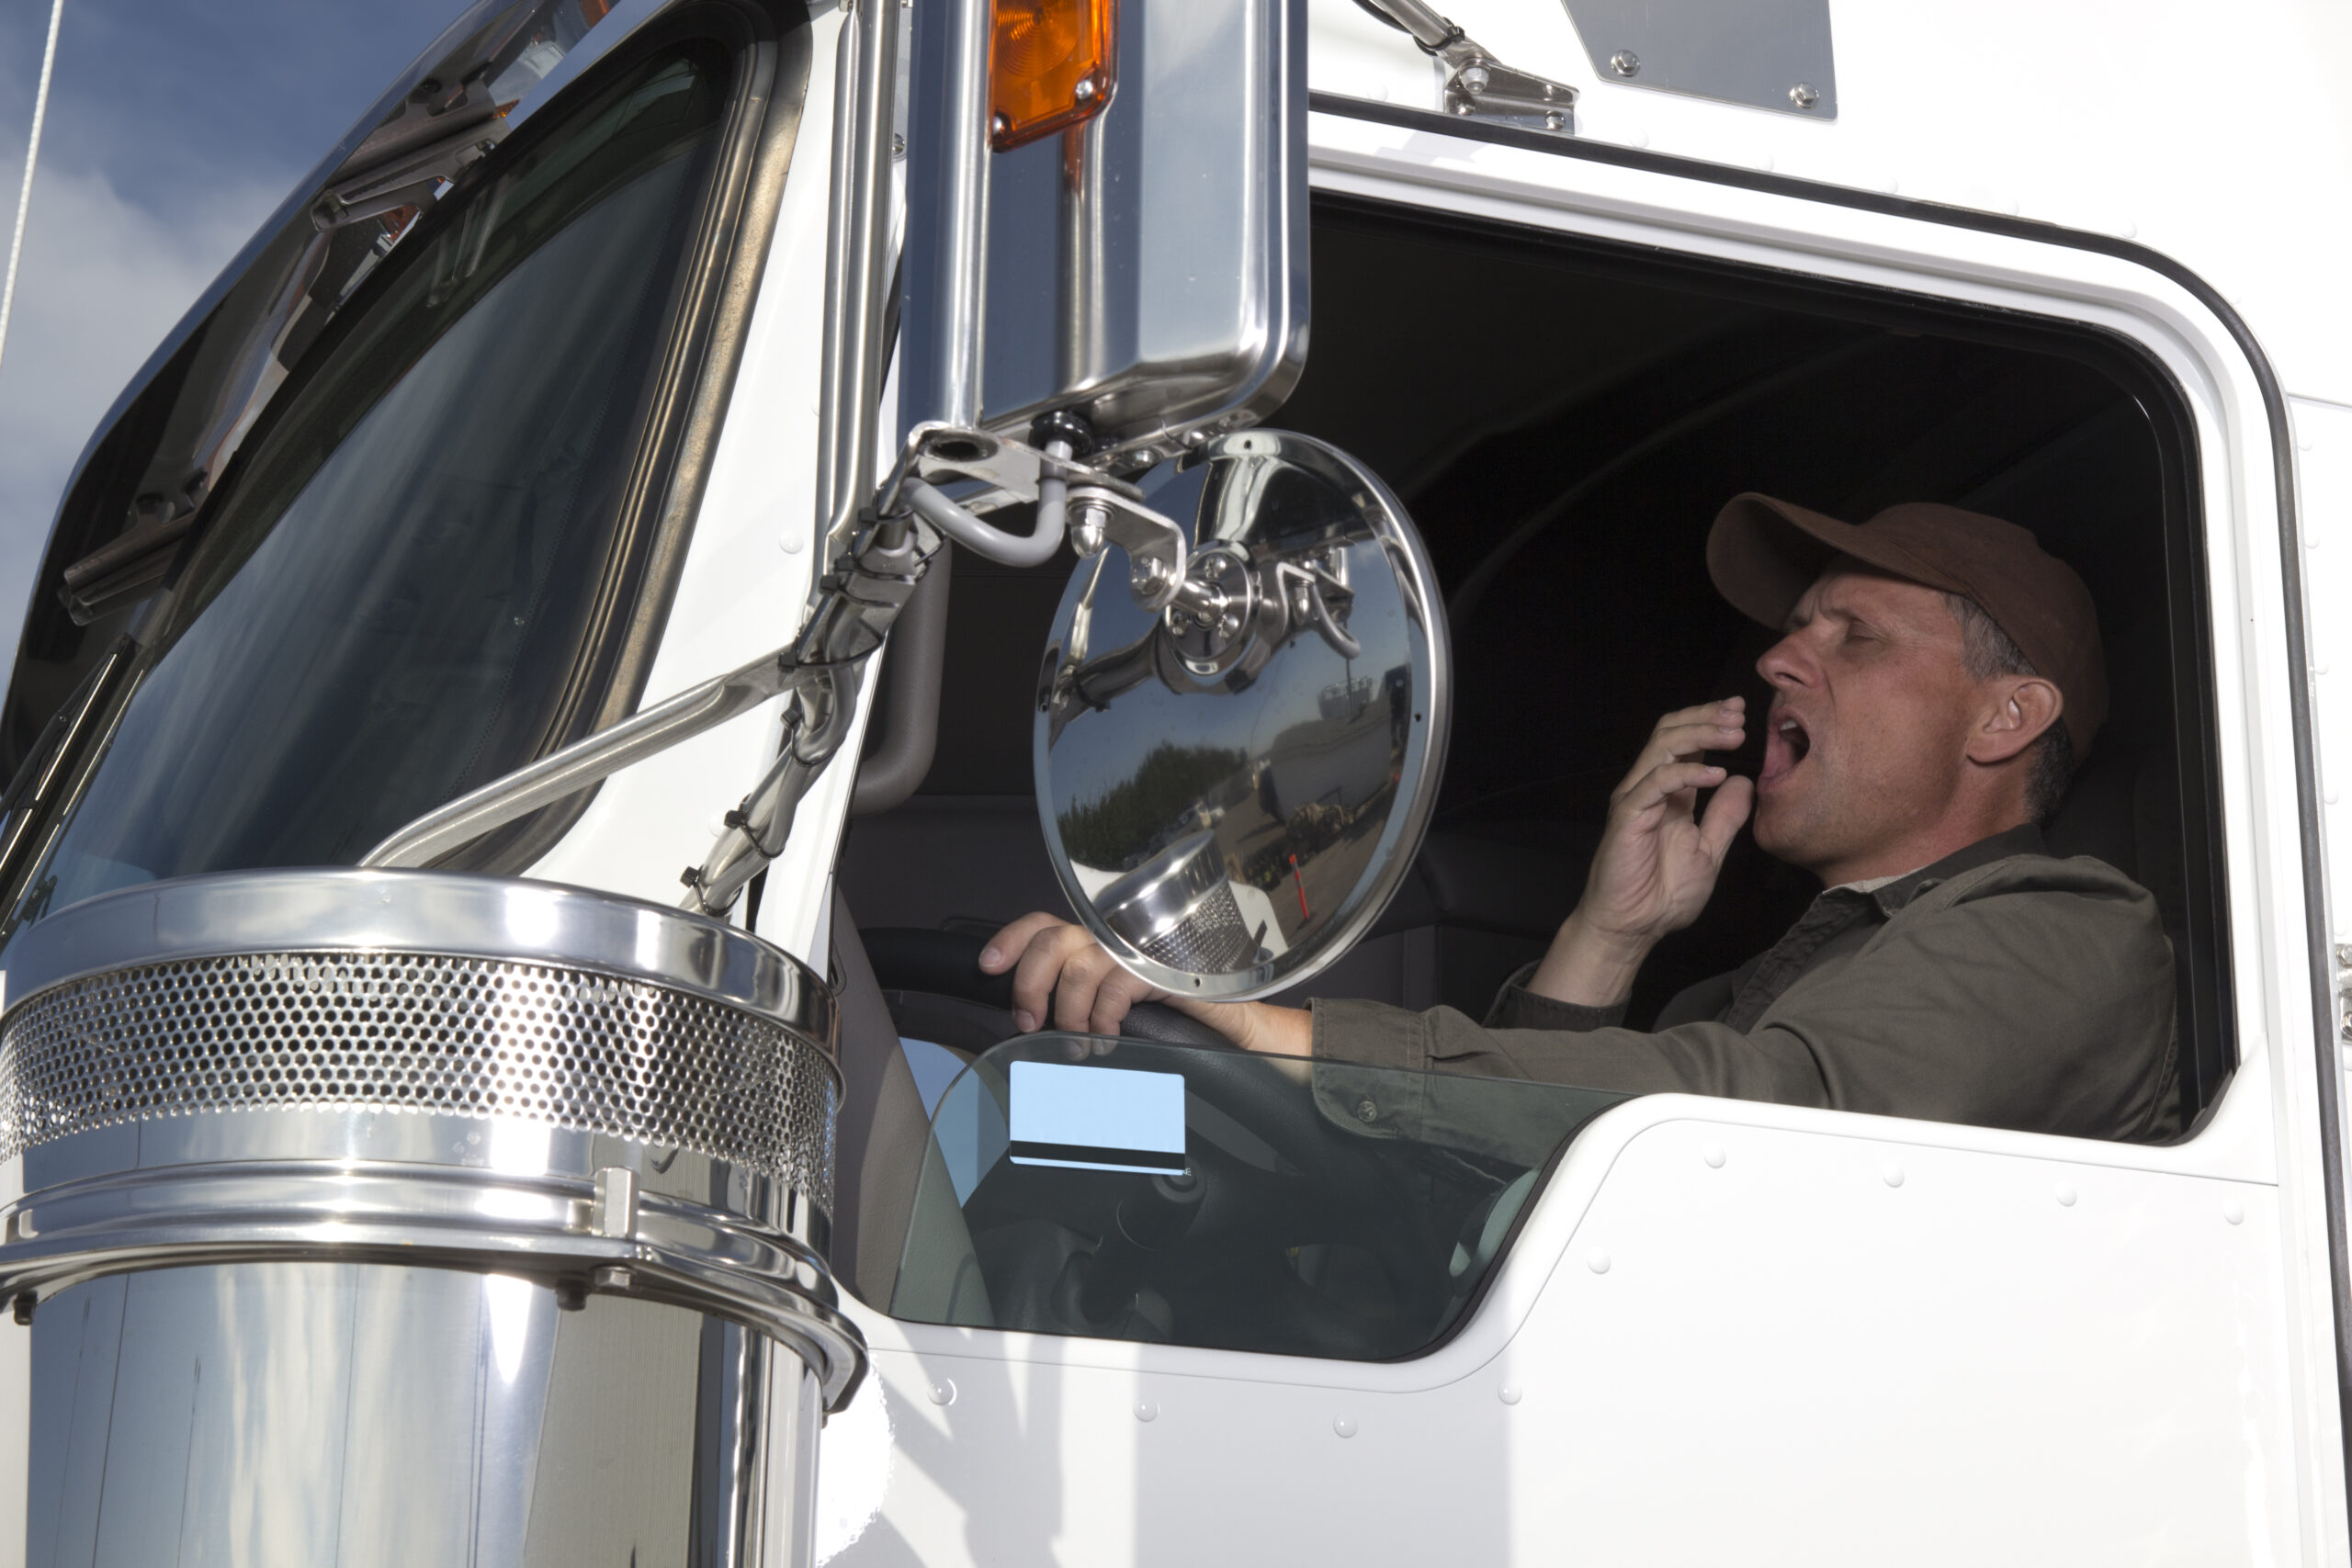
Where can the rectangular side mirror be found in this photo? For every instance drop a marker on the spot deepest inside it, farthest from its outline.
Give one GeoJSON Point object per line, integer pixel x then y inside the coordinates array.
{"type": "Point", "coordinates": [1147, 269]}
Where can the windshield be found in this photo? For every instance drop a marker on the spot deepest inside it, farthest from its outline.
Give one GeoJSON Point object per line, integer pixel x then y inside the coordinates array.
{"type": "Point", "coordinates": [1183, 1195]}
{"type": "Point", "coordinates": [409, 588]}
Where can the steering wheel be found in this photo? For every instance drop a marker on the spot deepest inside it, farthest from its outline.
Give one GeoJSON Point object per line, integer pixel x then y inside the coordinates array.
{"type": "Point", "coordinates": [947, 964]}
{"type": "Point", "coordinates": [1248, 1088]}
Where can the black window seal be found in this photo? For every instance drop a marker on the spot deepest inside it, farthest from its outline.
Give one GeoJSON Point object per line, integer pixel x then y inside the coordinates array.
{"type": "Point", "coordinates": [2274, 403]}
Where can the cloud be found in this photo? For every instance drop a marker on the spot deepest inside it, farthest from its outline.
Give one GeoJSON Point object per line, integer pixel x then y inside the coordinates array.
{"type": "Point", "coordinates": [103, 279]}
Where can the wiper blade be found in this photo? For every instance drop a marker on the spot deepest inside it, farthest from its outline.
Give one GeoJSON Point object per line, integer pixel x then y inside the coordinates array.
{"type": "Point", "coordinates": [59, 743]}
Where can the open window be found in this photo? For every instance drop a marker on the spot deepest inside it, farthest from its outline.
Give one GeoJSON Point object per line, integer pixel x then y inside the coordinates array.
{"type": "Point", "coordinates": [1563, 418]}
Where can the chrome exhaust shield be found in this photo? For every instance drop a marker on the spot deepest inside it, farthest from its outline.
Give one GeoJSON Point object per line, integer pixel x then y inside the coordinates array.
{"type": "Point", "coordinates": [391, 1216]}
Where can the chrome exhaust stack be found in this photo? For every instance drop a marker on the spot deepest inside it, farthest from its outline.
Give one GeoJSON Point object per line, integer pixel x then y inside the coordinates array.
{"type": "Point", "coordinates": [392, 1217]}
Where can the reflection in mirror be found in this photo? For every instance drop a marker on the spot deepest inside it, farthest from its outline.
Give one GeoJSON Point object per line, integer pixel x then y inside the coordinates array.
{"type": "Point", "coordinates": [1234, 770]}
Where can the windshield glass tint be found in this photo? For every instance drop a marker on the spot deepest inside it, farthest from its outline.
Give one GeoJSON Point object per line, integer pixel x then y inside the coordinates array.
{"type": "Point", "coordinates": [1188, 1196]}
{"type": "Point", "coordinates": [399, 599]}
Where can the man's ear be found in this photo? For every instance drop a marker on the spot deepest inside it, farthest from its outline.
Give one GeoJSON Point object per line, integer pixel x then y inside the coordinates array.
{"type": "Point", "coordinates": [2025, 706]}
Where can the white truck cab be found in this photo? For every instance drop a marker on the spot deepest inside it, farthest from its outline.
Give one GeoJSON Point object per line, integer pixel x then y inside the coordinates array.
{"type": "Point", "coordinates": [698, 512]}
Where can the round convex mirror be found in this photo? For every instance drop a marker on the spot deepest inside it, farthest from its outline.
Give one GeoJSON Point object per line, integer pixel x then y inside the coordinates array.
{"type": "Point", "coordinates": [1232, 786]}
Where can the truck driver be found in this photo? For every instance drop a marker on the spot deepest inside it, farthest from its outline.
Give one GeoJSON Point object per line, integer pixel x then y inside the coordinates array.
{"type": "Point", "coordinates": [1940, 678]}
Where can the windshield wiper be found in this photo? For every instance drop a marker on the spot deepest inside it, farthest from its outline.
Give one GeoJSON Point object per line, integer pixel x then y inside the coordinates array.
{"type": "Point", "coordinates": [35, 785]}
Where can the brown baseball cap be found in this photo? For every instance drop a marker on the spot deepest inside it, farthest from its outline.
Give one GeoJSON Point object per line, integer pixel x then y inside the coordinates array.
{"type": "Point", "coordinates": [1763, 554]}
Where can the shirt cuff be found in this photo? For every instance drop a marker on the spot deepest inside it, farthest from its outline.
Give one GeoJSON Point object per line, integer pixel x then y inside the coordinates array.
{"type": "Point", "coordinates": [1370, 1034]}
{"type": "Point", "coordinates": [1516, 1007]}
{"type": "Point", "coordinates": [1353, 1036]}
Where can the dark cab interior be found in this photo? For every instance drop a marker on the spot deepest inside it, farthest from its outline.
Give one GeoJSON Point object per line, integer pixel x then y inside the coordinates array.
{"type": "Point", "coordinates": [1563, 420]}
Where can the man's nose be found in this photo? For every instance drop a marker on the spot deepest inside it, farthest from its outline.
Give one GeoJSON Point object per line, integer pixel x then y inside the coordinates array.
{"type": "Point", "coordinates": [1787, 662]}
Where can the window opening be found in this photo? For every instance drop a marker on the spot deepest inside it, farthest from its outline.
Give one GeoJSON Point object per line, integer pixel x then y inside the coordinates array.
{"type": "Point", "coordinates": [1589, 407]}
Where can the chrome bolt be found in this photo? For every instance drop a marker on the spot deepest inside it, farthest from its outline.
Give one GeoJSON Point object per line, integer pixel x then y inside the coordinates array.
{"type": "Point", "coordinates": [1086, 89]}
{"type": "Point", "coordinates": [1626, 62]}
{"type": "Point", "coordinates": [1554, 120]}
{"type": "Point", "coordinates": [943, 1392]}
{"type": "Point", "coordinates": [1805, 94]}
{"type": "Point", "coordinates": [1000, 123]}
{"type": "Point", "coordinates": [898, 145]}
{"type": "Point", "coordinates": [1474, 79]}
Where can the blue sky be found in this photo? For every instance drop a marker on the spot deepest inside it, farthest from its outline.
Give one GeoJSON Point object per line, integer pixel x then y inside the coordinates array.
{"type": "Point", "coordinates": [174, 127]}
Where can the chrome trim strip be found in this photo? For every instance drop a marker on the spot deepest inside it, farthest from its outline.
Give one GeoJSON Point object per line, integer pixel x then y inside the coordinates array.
{"type": "Point", "coordinates": [420, 911]}
{"type": "Point", "coordinates": [656, 1248]}
{"type": "Point", "coordinates": [859, 258]}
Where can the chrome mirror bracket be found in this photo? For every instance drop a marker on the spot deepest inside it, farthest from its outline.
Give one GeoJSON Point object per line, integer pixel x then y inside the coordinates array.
{"type": "Point", "coordinates": [1155, 545]}
{"type": "Point", "coordinates": [1477, 85]}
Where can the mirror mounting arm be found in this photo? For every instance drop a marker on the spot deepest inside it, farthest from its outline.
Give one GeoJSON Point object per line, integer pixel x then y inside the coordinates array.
{"type": "Point", "coordinates": [1478, 85]}
{"type": "Point", "coordinates": [860, 602]}
{"type": "Point", "coordinates": [1155, 547]}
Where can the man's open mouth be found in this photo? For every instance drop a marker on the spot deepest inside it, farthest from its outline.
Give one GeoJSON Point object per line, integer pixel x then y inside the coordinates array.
{"type": "Point", "coordinates": [1786, 744]}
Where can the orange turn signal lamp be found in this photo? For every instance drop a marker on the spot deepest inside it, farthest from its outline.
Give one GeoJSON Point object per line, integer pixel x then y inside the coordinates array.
{"type": "Point", "coordinates": [1052, 64]}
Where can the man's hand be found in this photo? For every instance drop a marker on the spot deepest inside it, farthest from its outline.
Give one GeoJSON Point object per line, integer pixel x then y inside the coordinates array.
{"type": "Point", "coordinates": [1658, 861]}
{"type": "Point", "coordinates": [1059, 970]}
{"type": "Point", "coordinates": [1060, 967]}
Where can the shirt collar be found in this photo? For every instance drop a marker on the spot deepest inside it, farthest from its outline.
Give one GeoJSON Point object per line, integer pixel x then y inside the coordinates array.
{"type": "Point", "coordinates": [1894, 892]}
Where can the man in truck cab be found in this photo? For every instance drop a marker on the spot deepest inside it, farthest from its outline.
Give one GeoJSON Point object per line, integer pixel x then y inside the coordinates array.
{"type": "Point", "coordinates": [1938, 679]}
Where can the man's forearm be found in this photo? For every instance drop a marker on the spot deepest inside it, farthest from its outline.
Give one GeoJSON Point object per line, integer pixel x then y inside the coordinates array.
{"type": "Point", "coordinates": [1256, 1026]}
{"type": "Point", "coordinates": [1591, 968]}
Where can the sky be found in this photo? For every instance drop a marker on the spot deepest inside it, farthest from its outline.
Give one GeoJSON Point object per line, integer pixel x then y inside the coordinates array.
{"type": "Point", "coordinates": [175, 127]}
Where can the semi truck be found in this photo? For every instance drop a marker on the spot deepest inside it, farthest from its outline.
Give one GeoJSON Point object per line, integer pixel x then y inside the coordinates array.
{"type": "Point", "coordinates": [695, 513]}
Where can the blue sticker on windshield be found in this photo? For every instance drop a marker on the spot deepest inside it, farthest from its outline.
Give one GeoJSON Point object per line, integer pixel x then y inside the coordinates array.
{"type": "Point", "coordinates": [1098, 1118]}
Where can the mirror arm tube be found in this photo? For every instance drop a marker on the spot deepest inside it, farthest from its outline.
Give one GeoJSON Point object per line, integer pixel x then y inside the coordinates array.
{"type": "Point", "coordinates": [896, 768]}
{"type": "Point", "coordinates": [585, 762]}
{"type": "Point", "coordinates": [985, 540]}
{"type": "Point", "coordinates": [852, 615]}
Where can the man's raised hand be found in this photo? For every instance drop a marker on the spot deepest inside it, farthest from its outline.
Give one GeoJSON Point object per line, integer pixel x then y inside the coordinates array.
{"type": "Point", "coordinates": [1658, 859]}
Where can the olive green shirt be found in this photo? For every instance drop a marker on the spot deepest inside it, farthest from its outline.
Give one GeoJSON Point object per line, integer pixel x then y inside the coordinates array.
{"type": "Point", "coordinates": [1999, 988]}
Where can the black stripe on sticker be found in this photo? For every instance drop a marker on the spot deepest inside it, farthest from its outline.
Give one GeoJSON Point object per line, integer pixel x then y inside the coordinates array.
{"type": "Point", "coordinates": [1164, 1162]}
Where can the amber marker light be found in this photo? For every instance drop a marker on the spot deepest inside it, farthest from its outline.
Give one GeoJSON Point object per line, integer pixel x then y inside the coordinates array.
{"type": "Point", "coordinates": [1052, 64]}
